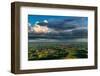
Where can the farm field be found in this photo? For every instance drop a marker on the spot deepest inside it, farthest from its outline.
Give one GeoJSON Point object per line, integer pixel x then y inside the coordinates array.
{"type": "Point", "coordinates": [57, 50]}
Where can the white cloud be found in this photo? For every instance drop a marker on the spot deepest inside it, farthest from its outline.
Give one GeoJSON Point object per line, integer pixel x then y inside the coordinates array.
{"type": "Point", "coordinates": [40, 29]}
{"type": "Point", "coordinates": [37, 22]}
{"type": "Point", "coordinates": [50, 30]}
{"type": "Point", "coordinates": [29, 24]}
{"type": "Point", "coordinates": [46, 21]}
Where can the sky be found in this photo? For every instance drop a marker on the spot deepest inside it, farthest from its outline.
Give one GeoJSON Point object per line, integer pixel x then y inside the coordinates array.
{"type": "Point", "coordinates": [57, 27]}
{"type": "Point", "coordinates": [73, 20]}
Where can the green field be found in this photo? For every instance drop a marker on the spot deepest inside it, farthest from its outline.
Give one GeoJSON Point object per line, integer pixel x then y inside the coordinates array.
{"type": "Point", "coordinates": [57, 50]}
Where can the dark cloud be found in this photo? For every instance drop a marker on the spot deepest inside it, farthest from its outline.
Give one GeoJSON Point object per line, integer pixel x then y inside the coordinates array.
{"type": "Point", "coordinates": [65, 34]}
{"type": "Point", "coordinates": [59, 24]}
{"type": "Point", "coordinates": [42, 23]}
